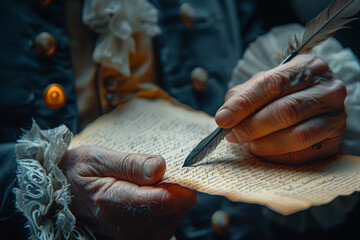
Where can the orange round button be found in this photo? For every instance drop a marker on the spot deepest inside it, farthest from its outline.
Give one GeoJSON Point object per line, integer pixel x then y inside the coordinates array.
{"type": "Point", "coordinates": [45, 44]}
{"type": "Point", "coordinates": [199, 78]}
{"type": "Point", "coordinates": [187, 14]}
{"type": "Point", "coordinates": [54, 96]}
{"type": "Point", "coordinates": [221, 222]}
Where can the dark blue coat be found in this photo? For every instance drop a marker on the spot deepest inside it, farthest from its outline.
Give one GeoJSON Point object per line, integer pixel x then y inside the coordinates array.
{"type": "Point", "coordinates": [214, 40]}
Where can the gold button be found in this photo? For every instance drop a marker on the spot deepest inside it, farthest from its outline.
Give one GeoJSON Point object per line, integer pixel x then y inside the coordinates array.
{"type": "Point", "coordinates": [199, 78]}
{"type": "Point", "coordinates": [187, 14]}
{"type": "Point", "coordinates": [45, 44]}
{"type": "Point", "coordinates": [44, 3]}
{"type": "Point", "coordinates": [221, 222]}
{"type": "Point", "coordinates": [54, 96]}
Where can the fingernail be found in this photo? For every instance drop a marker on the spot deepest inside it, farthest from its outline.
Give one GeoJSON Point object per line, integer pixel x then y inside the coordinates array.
{"type": "Point", "coordinates": [223, 117]}
{"type": "Point", "coordinates": [148, 167]}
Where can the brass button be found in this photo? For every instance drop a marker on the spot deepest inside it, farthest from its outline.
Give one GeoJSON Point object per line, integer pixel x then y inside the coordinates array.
{"type": "Point", "coordinates": [187, 14]}
{"type": "Point", "coordinates": [45, 44]}
{"type": "Point", "coordinates": [199, 78]}
{"type": "Point", "coordinates": [54, 96]}
{"type": "Point", "coordinates": [44, 3]}
{"type": "Point", "coordinates": [221, 222]}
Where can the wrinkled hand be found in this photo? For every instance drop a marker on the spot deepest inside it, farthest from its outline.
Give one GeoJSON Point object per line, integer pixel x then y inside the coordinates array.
{"type": "Point", "coordinates": [115, 196]}
{"type": "Point", "coordinates": [280, 114]}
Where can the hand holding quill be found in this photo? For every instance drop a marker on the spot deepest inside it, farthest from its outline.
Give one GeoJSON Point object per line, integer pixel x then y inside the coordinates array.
{"type": "Point", "coordinates": [317, 30]}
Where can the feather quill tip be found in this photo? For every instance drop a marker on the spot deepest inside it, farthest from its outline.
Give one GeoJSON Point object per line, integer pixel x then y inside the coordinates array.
{"type": "Point", "coordinates": [206, 146]}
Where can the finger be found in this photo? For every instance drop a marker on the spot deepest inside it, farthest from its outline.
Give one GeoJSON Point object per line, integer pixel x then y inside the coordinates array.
{"type": "Point", "coordinates": [292, 109]}
{"type": "Point", "coordinates": [162, 205]}
{"type": "Point", "coordinates": [166, 198]}
{"type": "Point", "coordinates": [242, 86]}
{"type": "Point", "coordinates": [300, 73]}
{"type": "Point", "coordinates": [172, 197]}
{"type": "Point", "coordinates": [329, 147]}
{"type": "Point", "coordinates": [300, 136]}
{"type": "Point", "coordinates": [141, 169]}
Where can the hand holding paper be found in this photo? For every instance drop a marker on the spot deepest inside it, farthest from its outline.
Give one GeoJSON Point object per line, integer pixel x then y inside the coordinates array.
{"type": "Point", "coordinates": [114, 193]}
{"type": "Point", "coordinates": [161, 128]}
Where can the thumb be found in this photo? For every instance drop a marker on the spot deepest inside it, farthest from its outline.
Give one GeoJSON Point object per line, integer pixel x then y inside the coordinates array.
{"type": "Point", "coordinates": [142, 169]}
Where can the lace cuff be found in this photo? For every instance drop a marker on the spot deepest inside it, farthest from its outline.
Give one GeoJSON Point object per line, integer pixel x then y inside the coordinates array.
{"type": "Point", "coordinates": [116, 21]}
{"type": "Point", "coordinates": [42, 193]}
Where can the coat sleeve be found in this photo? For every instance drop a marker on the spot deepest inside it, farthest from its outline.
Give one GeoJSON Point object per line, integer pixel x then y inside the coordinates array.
{"type": "Point", "coordinates": [7, 171]}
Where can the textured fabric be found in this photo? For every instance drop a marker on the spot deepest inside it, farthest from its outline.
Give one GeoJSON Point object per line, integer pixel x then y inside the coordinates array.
{"type": "Point", "coordinates": [42, 193]}
{"type": "Point", "coordinates": [24, 74]}
{"type": "Point", "coordinates": [7, 171]}
{"type": "Point", "coordinates": [100, 87]}
{"type": "Point", "coordinates": [180, 49]}
{"type": "Point", "coordinates": [220, 32]}
{"type": "Point", "coordinates": [116, 21]}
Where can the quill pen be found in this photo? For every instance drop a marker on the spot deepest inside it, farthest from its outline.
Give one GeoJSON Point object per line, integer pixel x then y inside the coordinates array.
{"type": "Point", "coordinates": [317, 30]}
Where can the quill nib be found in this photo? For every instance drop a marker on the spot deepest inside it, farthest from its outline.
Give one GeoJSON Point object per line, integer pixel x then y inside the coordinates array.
{"type": "Point", "coordinates": [206, 146]}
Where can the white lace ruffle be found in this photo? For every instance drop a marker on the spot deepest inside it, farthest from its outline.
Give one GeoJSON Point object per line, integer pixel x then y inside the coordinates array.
{"type": "Point", "coordinates": [42, 194]}
{"type": "Point", "coordinates": [116, 21]}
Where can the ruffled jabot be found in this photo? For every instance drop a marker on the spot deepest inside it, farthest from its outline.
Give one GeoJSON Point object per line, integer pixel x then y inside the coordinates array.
{"type": "Point", "coordinates": [117, 21]}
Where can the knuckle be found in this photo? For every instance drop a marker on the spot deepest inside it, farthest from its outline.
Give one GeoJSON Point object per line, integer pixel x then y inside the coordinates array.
{"type": "Point", "coordinates": [343, 116]}
{"type": "Point", "coordinates": [272, 84]}
{"type": "Point", "coordinates": [306, 135]}
{"type": "Point", "coordinates": [127, 166]}
{"type": "Point", "coordinates": [241, 103]}
{"type": "Point", "coordinates": [287, 111]}
{"type": "Point", "coordinates": [246, 133]}
{"type": "Point", "coordinates": [338, 90]}
{"type": "Point", "coordinates": [336, 122]}
{"type": "Point", "coordinates": [317, 65]}
{"type": "Point", "coordinates": [320, 61]}
{"type": "Point", "coordinates": [336, 141]}
{"type": "Point", "coordinates": [232, 137]}
{"type": "Point", "coordinates": [304, 72]}
{"type": "Point", "coordinates": [258, 74]}
{"type": "Point", "coordinates": [341, 124]}
{"type": "Point", "coordinates": [341, 129]}
{"type": "Point", "coordinates": [233, 91]}
{"type": "Point", "coordinates": [229, 94]}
